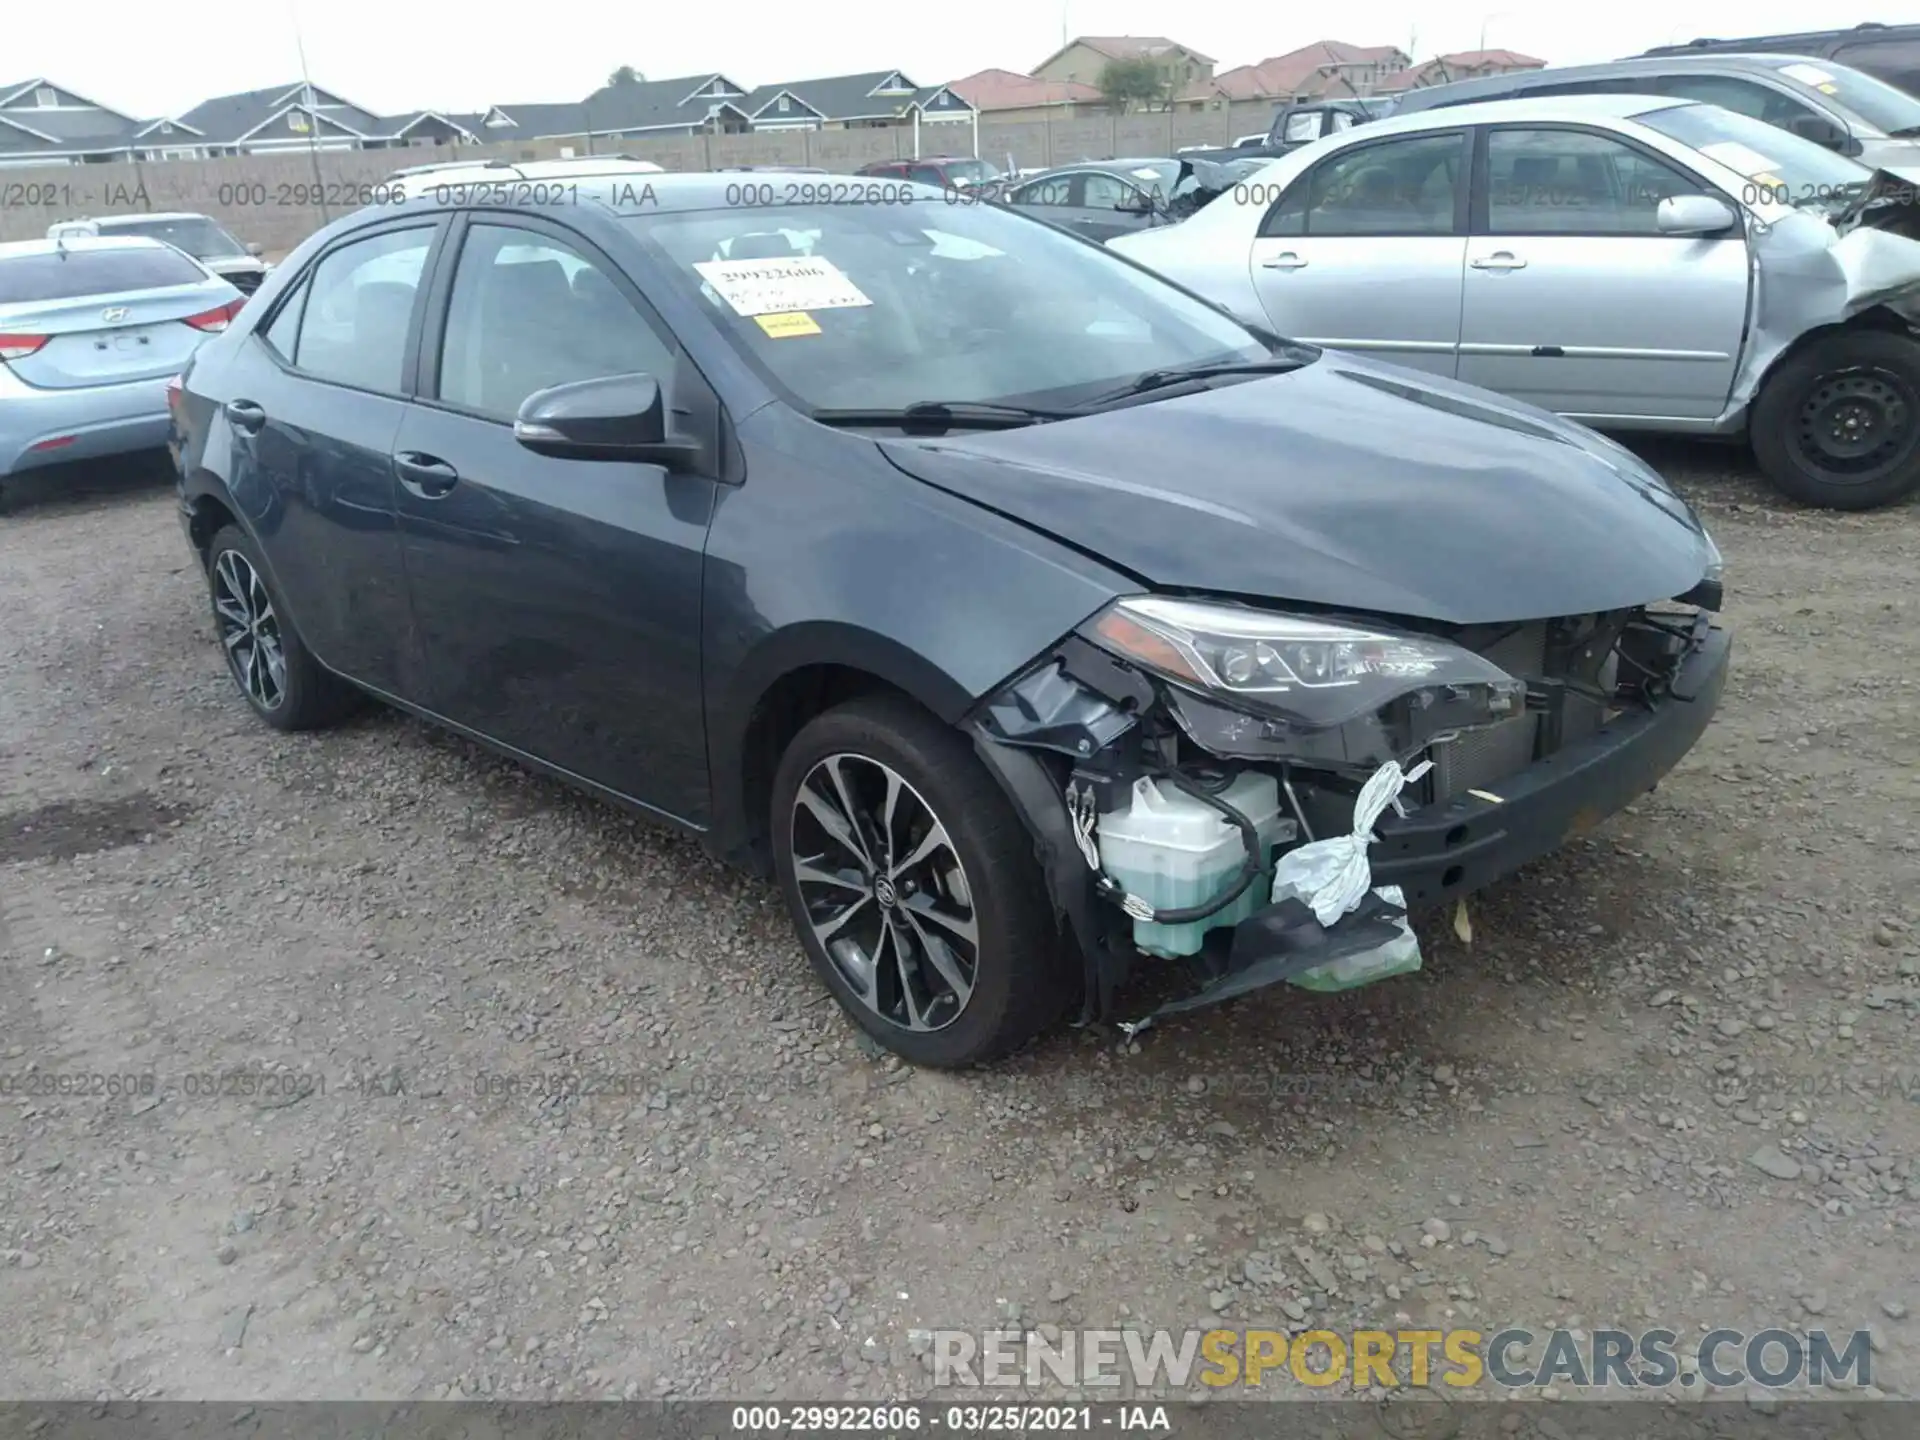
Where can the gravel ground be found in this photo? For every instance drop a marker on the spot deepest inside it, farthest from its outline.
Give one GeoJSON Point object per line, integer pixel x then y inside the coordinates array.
{"type": "Point", "coordinates": [1672, 1080]}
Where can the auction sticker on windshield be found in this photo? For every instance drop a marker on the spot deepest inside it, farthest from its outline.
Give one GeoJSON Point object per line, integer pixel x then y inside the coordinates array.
{"type": "Point", "coordinates": [780, 285]}
{"type": "Point", "coordinates": [1735, 156]}
{"type": "Point", "coordinates": [791, 322]}
{"type": "Point", "coordinates": [1810, 75]}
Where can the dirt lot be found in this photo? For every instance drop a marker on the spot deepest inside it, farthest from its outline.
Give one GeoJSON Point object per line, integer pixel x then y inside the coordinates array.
{"type": "Point", "coordinates": [1673, 1081]}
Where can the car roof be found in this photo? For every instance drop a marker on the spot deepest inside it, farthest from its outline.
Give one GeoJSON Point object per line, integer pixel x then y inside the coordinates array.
{"type": "Point", "coordinates": [498, 169]}
{"type": "Point", "coordinates": [1703, 62]}
{"type": "Point", "coordinates": [1617, 106]}
{"type": "Point", "coordinates": [156, 215]}
{"type": "Point", "coordinates": [79, 243]}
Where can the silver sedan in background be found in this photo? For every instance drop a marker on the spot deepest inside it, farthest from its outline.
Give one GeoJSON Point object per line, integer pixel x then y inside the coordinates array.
{"type": "Point", "coordinates": [91, 331]}
{"type": "Point", "coordinates": [1633, 262]}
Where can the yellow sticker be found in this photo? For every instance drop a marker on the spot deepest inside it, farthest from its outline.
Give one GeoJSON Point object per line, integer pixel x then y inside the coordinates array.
{"type": "Point", "coordinates": [1828, 89]}
{"type": "Point", "coordinates": [1770, 180]}
{"type": "Point", "coordinates": [792, 322]}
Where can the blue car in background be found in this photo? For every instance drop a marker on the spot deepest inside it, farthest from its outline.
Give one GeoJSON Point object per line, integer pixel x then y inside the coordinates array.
{"type": "Point", "coordinates": [91, 331]}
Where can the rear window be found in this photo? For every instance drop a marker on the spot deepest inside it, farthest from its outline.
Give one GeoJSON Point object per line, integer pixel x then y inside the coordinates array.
{"type": "Point", "coordinates": [69, 275]}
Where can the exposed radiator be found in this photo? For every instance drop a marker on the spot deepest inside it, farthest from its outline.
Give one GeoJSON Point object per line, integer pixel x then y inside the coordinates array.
{"type": "Point", "coordinates": [1480, 759]}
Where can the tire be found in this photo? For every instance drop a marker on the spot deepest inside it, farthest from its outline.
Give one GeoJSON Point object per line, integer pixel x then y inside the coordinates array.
{"type": "Point", "coordinates": [301, 695]}
{"type": "Point", "coordinates": [1801, 431]}
{"type": "Point", "coordinates": [1018, 979]}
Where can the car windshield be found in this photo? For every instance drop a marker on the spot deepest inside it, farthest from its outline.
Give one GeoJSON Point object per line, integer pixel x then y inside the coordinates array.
{"type": "Point", "coordinates": [1881, 105]}
{"type": "Point", "coordinates": [73, 274]}
{"type": "Point", "coordinates": [853, 307]}
{"type": "Point", "coordinates": [1782, 166]}
{"type": "Point", "coordinates": [199, 237]}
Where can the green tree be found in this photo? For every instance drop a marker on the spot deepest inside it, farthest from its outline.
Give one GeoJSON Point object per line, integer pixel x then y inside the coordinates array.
{"type": "Point", "coordinates": [1134, 83]}
{"type": "Point", "coordinates": [626, 75]}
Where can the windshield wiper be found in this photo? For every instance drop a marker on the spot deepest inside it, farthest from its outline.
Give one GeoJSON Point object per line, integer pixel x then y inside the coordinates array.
{"type": "Point", "coordinates": [1181, 375]}
{"type": "Point", "coordinates": [935, 417]}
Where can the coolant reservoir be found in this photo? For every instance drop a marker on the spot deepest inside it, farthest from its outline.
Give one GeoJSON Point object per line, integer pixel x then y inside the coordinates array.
{"type": "Point", "coordinates": [1174, 851]}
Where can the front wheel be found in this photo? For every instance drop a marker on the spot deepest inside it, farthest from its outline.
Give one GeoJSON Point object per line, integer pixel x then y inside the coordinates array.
{"type": "Point", "coordinates": [1838, 425]}
{"type": "Point", "coordinates": [914, 886]}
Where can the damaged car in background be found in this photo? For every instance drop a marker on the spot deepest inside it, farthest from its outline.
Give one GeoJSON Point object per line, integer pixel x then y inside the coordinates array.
{"type": "Point", "coordinates": [1064, 647]}
{"type": "Point", "coordinates": [1631, 262]}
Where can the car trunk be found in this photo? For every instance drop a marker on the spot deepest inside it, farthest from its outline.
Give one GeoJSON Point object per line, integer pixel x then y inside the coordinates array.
{"type": "Point", "coordinates": [106, 339]}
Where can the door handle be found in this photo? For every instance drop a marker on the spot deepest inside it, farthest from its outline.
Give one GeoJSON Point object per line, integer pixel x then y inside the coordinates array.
{"type": "Point", "coordinates": [1499, 260]}
{"type": "Point", "coordinates": [424, 475]}
{"type": "Point", "coordinates": [1285, 260]}
{"type": "Point", "coordinates": [244, 416]}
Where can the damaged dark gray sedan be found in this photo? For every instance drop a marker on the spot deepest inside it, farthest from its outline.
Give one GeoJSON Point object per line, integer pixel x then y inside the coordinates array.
{"type": "Point", "coordinates": [1036, 624]}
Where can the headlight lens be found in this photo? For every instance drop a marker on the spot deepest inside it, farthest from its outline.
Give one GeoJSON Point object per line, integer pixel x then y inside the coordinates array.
{"type": "Point", "coordinates": [1312, 672]}
{"type": "Point", "coordinates": [1716, 564]}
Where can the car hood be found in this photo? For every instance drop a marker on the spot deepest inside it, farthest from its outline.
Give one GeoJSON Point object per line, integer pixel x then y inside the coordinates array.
{"type": "Point", "coordinates": [1348, 484]}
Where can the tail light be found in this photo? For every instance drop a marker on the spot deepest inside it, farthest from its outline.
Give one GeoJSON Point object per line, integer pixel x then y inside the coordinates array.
{"type": "Point", "coordinates": [173, 394]}
{"type": "Point", "coordinates": [18, 347]}
{"type": "Point", "coordinates": [214, 321]}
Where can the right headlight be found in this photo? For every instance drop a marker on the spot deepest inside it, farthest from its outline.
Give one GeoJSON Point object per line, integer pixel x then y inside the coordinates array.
{"type": "Point", "coordinates": [1309, 672]}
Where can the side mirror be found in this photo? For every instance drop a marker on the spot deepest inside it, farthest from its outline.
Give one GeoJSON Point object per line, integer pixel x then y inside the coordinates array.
{"type": "Point", "coordinates": [254, 250]}
{"type": "Point", "coordinates": [1820, 130]}
{"type": "Point", "coordinates": [1693, 215]}
{"type": "Point", "coordinates": [613, 417]}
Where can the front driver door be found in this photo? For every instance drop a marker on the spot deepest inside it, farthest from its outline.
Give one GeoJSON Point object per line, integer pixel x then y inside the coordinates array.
{"type": "Point", "coordinates": [1365, 251]}
{"type": "Point", "coordinates": [558, 601]}
{"type": "Point", "coordinates": [1574, 299]}
{"type": "Point", "coordinates": [1107, 205]}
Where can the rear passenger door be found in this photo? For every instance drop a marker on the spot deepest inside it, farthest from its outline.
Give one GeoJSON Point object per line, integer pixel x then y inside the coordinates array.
{"type": "Point", "coordinates": [1365, 250]}
{"type": "Point", "coordinates": [557, 600]}
{"type": "Point", "coordinates": [314, 400]}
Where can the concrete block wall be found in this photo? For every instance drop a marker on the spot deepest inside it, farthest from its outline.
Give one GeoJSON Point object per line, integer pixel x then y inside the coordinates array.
{"type": "Point", "coordinates": [276, 201]}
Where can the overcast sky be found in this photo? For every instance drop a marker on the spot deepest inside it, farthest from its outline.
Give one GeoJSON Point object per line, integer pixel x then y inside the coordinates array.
{"type": "Point", "coordinates": [155, 57]}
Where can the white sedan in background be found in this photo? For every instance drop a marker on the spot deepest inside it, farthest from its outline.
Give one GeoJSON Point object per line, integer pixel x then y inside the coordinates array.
{"type": "Point", "coordinates": [1633, 262]}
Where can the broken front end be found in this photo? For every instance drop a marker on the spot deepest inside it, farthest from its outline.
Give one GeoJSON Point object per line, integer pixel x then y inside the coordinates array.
{"type": "Point", "coordinates": [1261, 797]}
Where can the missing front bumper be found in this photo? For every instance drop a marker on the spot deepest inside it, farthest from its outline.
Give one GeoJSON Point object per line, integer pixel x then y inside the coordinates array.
{"type": "Point", "coordinates": [1431, 855]}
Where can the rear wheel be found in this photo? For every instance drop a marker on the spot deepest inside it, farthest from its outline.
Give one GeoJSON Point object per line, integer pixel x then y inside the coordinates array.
{"type": "Point", "coordinates": [914, 886]}
{"type": "Point", "coordinates": [275, 672]}
{"type": "Point", "coordinates": [1838, 425]}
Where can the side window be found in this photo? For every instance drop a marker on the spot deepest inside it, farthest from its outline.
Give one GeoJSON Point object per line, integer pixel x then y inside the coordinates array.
{"type": "Point", "coordinates": [1045, 192]}
{"type": "Point", "coordinates": [1302, 125]}
{"type": "Point", "coordinates": [1341, 121]}
{"type": "Point", "coordinates": [1895, 61]}
{"type": "Point", "coordinates": [1401, 187]}
{"type": "Point", "coordinates": [353, 329]}
{"type": "Point", "coordinates": [1743, 97]}
{"type": "Point", "coordinates": [1574, 182]}
{"type": "Point", "coordinates": [1103, 191]}
{"type": "Point", "coordinates": [528, 312]}
{"type": "Point", "coordinates": [281, 335]}
{"type": "Point", "coordinates": [925, 175]}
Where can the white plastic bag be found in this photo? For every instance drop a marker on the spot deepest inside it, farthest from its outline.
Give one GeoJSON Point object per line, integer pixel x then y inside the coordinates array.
{"type": "Point", "coordinates": [1332, 877]}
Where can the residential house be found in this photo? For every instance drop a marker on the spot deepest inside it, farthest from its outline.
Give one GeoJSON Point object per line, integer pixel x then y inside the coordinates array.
{"type": "Point", "coordinates": [294, 117]}
{"type": "Point", "coordinates": [1324, 69]}
{"type": "Point", "coordinates": [1009, 95]}
{"type": "Point", "coordinates": [716, 104]}
{"type": "Point", "coordinates": [1460, 65]}
{"type": "Point", "coordinates": [684, 105]}
{"type": "Point", "coordinates": [875, 100]}
{"type": "Point", "coordinates": [1082, 60]}
{"type": "Point", "coordinates": [42, 123]}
